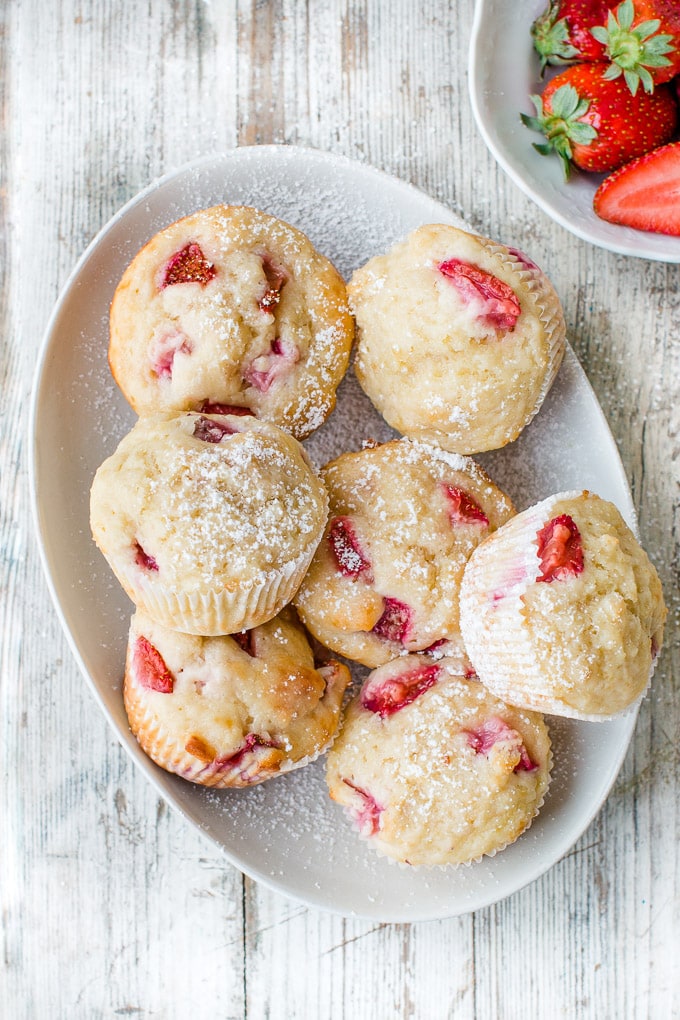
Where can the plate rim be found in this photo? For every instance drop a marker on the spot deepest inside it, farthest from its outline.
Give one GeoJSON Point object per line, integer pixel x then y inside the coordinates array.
{"type": "Point", "coordinates": [150, 770]}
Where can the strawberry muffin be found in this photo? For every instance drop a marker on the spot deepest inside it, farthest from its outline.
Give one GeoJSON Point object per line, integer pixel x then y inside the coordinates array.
{"type": "Point", "coordinates": [562, 611]}
{"type": "Point", "coordinates": [433, 769]}
{"type": "Point", "coordinates": [458, 337]}
{"type": "Point", "coordinates": [231, 308]}
{"type": "Point", "coordinates": [404, 518]}
{"type": "Point", "coordinates": [230, 711]}
{"type": "Point", "coordinates": [208, 521]}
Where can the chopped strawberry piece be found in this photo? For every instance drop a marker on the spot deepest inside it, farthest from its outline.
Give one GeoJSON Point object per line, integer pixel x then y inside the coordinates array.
{"type": "Point", "coordinates": [211, 431]}
{"type": "Point", "coordinates": [559, 549]}
{"type": "Point", "coordinates": [267, 368]}
{"type": "Point", "coordinates": [212, 407]}
{"type": "Point", "coordinates": [500, 307]}
{"type": "Point", "coordinates": [367, 812]}
{"type": "Point", "coordinates": [349, 556]}
{"type": "Point", "coordinates": [187, 266]}
{"type": "Point", "coordinates": [462, 508]}
{"type": "Point", "coordinates": [252, 743]}
{"type": "Point", "coordinates": [493, 731]}
{"type": "Point", "coordinates": [142, 558]}
{"type": "Point", "coordinates": [245, 640]}
{"type": "Point", "coordinates": [150, 669]}
{"type": "Point", "coordinates": [164, 349]}
{"type": "Point", "coordinates": [276, 277]}
{"type": "Point", "coordinates": [387, 695]}
{"type": "Point", "coordinates": [644, 194]}
{"type": "Point", "coordinates": [394, 624]}
{"type": "Point", "coordinates": [435, 646]}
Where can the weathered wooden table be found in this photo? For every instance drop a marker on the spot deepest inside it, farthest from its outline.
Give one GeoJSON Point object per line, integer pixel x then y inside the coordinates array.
{"type": "Point", "coordinates": [111, 905]}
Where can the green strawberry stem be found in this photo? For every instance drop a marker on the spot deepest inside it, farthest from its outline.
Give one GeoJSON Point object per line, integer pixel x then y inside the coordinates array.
{"type": "Point", "coordinates": [632, 51]}
{"type": "Point", "coordinates": [562, 125]}
{"type": "Point", "coordinates": [551, 38]}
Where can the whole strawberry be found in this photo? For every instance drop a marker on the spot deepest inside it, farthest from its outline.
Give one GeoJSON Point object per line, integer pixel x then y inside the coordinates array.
{"type": "Point", "coordinates": [562, 34]}
{"type": "Point", "coordinates": [596, 123]}
{"type": "Point", "coordinates": [642, 41]}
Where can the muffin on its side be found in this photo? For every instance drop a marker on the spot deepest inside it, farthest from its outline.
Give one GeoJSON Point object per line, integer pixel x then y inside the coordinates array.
{"type": "Point", "coordinates": [208, 521]}
{"type": "Point", "coordinates": [433, 769]}
{"type": "Point", "coordinates": [230, 711]}
{"type": "Point", "coordinates": [459, 337]}
{"type": "Point", "coordinates": [231, 308]}
{"type": "Point", "coordinates": [562, 611]}
{"type": "Point", "coordinates": [404, 518]}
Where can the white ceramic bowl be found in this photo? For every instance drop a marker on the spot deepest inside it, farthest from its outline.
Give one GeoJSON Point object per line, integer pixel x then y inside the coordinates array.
{"type": "Point", "coordinates": [504, 71]}
{"type": "Point", "coordinates": [286, 832]}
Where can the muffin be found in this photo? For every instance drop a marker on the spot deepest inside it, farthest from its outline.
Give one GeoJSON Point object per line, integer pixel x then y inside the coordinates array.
{"type": "Point", "coordinates": [230, 711]}
{"type": "Point", "coordinates": [458, 337]}
{"type": "Point", "coordinates": [208, 521]}
{"type": "Point", "coordinates": [562, 611]}
{"type": "Point", "coordinates": [231, 308]}
{"type": "Point", "coordinates": [433, 769]}
{"type": "Point", "coordinates": [404, 518]}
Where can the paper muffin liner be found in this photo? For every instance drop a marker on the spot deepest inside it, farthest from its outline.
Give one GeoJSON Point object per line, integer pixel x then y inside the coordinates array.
{"type": "Point", "coordinates": [259, 764]}
{"type": "Point", "coordinates": [213, 613]}
{"type": "Point", "coordinates": [493, 617]}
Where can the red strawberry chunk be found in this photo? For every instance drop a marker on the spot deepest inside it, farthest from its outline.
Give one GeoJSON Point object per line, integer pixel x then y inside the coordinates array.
{"type": "Point", "coordinates": [211, 431]}
{"type": "Point", "coordinates": [276, 277]}
{"type": "Point", "coordinates": [187, 266]}
{"type": "Point", "coordinates": [387, 695]}
{"type": "Point", "coordinates": [559, 549]}
{"type": "Point", "coordinates": [245, 640]}
{"type": "Point", "coordinates": [366, 812]}
{"type": "Point", "coordinates": [150, 669]}
{"type": "Point", "coordinates": [493, 731]}
{"type": "Point", "coordinates": [142, 558]}
{"type": "Point", "coordinates": [395, 622]}
{"type": "Point", "coordinates": [250, 745]}
{"type": "Point", "coordinates": [644, 194]}
{"type": "Point", "coordinates": [523, 258]}
{"type": "Point", "coordinates": [164, 349]}
{"type": "Point", "coordinates": [462, 508]}
{"type": "Point", "coordinates": [264, 370]}
{"type": "Point", "coordinates": [349, 556]}
{"type": "Point", "coordinates": [212, 407]}
{"type": "Point", "coordinates": [499, 305]}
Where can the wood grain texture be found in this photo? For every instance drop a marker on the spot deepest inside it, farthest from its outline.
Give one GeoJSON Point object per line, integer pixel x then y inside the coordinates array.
{"type": "Point", "coordinates": [111, 905]}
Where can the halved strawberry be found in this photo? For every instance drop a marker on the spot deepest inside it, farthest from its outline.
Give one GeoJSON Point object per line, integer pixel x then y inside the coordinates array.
{"type": "Point", "coordinates": [644, 194]}
{"type": "Point", "coordinates": [562, 33]}
{"type": "Point", "coordinates": [395, 622]}
{"type": "Point", "coordinates": [349, 555]}
{"type": "Point", "coordinates": [596, 123]}
{"type": "Point", "coordinates": [642, 41]}
{"type": "Point", "coordinates": [498, 304]}
{"type": "Point", "coordinates": [365, 810]}
{"type": "Point", "coordinates": [462, 507]}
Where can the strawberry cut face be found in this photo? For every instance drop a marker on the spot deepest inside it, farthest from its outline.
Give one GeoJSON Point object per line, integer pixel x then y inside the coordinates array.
{"type": "Point", "coordinates": [493, 731]}
{"type": "Point", "coordinates": [349, 556]}
{"type": "Point", "coordinates": [142, 558]}
{"type": "Point", "coordinates": [559, 550]}
{"type": "Point", "coordinates": [164, 349]}
{"type": "Point", "coordinates": [150, 669]}
{"type": "Point", "coordinates": [388, 695]}
{"type": "Point", "coordinates": [499, 307]}
{"type": "Point", "coordinates": [189, 265]}
{"type": "Point", "coordinates": [365, 810]}
{"type": "Point", "coordinates": [276, 277]}
{"type": "Point", "coordinates": [210, 431]}
{"type": "Point", "coordinates": [395, 622]}
{"type": "Point", "coordinates": [462, 507]}
{"type": "Point", "coordinates": [265, 370]}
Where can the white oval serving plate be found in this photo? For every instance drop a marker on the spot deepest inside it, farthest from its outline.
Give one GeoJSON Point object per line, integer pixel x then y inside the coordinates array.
{"type": "Point", "coordinates": [504, 70]}
{"type": "Point", "coordinates": [287, 833]}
